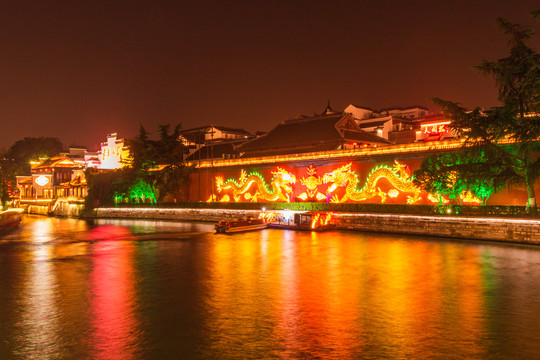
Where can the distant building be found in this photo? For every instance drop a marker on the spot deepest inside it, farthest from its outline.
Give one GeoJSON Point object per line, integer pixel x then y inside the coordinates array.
{"type": "Point", "coordinates": [113, 153]}
{"type": "Point", "coordinates": [330, 130]}
{"type": "Point", "coordinates": [401, 125]}
{"type": "Point", "coordinates": [219, 150]}
{"type": "Point", "coordinates": [52, 178]}
{"type": "Point", "coordinates": [213, 141]}
{"type": "Point", "coordinates": [213, 133]}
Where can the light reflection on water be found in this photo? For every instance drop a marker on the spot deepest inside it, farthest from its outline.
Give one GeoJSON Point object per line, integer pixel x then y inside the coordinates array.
{"type": "Point", "coordinates": [121, 289]}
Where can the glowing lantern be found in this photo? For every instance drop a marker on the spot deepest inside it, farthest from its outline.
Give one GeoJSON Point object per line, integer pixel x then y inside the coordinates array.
{"type": "Point", "coordinates": [42, 180]}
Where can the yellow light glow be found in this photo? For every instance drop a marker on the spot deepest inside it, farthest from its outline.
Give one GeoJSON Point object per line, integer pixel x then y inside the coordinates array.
{"type": "Point", "coordinates": [393, 193]}
{"type": "Point", "coordinates": [468, 197]}
{"type": "Point", "coordinates": [398, 177]}
{"type": "Point", "coordinates": [280, 186]}
{"type": "Point", "coordinates": [418, 147]}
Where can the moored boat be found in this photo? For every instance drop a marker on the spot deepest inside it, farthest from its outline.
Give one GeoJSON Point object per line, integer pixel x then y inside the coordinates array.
{"type": "Point", "coordinates": [249, 224]}
{"type": "Point", "coordinates": [307, 221]}
{"type": "Point", "coordinates": [10, 220]}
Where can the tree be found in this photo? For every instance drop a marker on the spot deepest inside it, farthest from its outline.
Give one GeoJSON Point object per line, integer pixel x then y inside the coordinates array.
{"type": "Point", "coordinates": [170, 152]}
{"type": "Point", "coordinates": [155, 169]}
{"type": "Point", "coordinates": [453, 174]}
{"type": "Point", "coordinates": [141, 151]}
{"type": "Point", "coordinates": [16, 161]}
{"type": "Point", "coordinates": [507, 135]}
{"type": "Point", "coordinates": [32, 149]}
{"type": "Point", "coordinates": [7, 176]}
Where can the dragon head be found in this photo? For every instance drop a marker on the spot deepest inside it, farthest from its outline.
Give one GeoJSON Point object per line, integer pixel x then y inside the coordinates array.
{"type": "Point", "coordinates": [338, 177]}
{"type": "Point", "coordinates": [284, 179]}
{"type": "Point", "coordinates": [401, 170]}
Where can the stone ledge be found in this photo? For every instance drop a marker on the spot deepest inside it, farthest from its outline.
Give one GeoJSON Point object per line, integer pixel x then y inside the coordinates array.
{"type": "Point", "coordinates": [525, 231]}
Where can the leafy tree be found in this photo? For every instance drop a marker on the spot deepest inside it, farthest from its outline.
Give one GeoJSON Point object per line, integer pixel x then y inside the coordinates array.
{"type": "Point", "coordinates": [170, 153]}
{"type": "Point", "coordinates": [155, 170]}
{"type": "Point", "coordinates": [507, 135]}
{"type": "Point", "coordinates": [16, 161]}
{"type": "Point", "coordinates": [7, 182]}
{"type": "Point", "coordinates": [141, 151]}
{"type": "Point", "coordinates": [140, 191]}
{"type": "Point", "coordinates": [453, 173]}
{"type": "Point", "coordinates": [32, 149]}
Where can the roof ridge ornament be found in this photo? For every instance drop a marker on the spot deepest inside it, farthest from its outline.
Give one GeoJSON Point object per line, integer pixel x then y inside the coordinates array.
{"type": "Point", "coordinates": [328, 110]}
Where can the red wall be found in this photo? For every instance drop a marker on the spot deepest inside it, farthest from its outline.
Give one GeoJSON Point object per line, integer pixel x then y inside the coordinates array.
{"type": "Point", "coordinates": [200, 185]}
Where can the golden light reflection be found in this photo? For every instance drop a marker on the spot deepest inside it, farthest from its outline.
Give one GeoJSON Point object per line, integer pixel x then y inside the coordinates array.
{"type": "Point", "coordinates": [241, 282]}
{"type": "Point", "coordinates": [331, 293]}
{"type": "Point", "coordinates": [41, 316]}
{"type": "Point", "coordinates": [42, 230]}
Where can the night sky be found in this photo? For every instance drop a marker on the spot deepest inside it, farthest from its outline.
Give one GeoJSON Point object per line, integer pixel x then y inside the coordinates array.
{"type": "Point", "coordinates": [79, 70]}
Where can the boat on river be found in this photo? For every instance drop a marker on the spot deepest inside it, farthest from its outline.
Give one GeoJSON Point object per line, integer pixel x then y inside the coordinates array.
{"type": "Point", "coordinates": [306, 221]}
{"type": "Point", "coordinates": [10, 220]}
{"type": "Point", "coordinates": [248, 224]}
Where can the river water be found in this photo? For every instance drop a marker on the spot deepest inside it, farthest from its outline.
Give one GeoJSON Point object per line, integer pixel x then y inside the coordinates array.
{"type": "Point", "coordinates": [124, 289]}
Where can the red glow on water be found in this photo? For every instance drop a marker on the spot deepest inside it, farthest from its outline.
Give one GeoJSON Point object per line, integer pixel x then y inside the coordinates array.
{"type": "Point", "coordinates": [112, 301]}
{"type": "Point", "coordinates": [109, 232]}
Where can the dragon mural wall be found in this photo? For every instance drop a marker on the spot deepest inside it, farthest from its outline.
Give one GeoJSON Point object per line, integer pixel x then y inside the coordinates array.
{"type": "Point", "coordinates": [279, 190]}
{"type": "Point", "coordinates": [383, 183]}
{"type": "Point", "coordinates": [398, 177]}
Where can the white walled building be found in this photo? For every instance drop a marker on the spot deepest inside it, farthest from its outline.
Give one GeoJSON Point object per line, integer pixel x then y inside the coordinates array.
{"type": "Point", "coordinates": [400, 125]}
{"type": "Point", "coordinates": [113, 153]}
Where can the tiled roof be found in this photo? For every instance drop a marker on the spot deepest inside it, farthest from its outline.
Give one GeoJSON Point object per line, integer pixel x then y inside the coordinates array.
{"type": "Point", "coordinates": [57, 161]}
{"type": "Point", "coordinates": [217, 150]}
{"type": "Point", "coordinates": [220, 128]}
{"type": "Point", "coordinates": [317, 133]}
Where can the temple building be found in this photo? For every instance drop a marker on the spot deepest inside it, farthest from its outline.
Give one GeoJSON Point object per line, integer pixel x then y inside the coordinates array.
{"type": "Point", "coordinates": [330, 130]}
{"type": "Point", "coordinates": [359, 155]}
{"type": "Point", "coordinates": [60, 180]}
{"type": "Point", "coordinates": [60, 176]}
{"type": "Point", "coordinates": [213, 142]}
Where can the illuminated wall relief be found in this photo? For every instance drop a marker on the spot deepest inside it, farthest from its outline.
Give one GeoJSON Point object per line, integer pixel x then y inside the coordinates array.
{"type": "Point", "coordinates": [398, 177]}
{"type": "Point", "coordinates": [312, 183]}
{"type": "Point", "coordinates": [253, 187]}
{"type": "Point", "coordinates": [384, 182]}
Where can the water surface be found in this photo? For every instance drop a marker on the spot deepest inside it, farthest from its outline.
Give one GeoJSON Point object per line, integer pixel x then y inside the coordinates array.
{"type": "Point", "coordinates": [124, 289]}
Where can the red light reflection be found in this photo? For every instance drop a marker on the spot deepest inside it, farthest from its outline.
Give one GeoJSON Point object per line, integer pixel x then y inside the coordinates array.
{"type": "Point", "coordinates": [113, 301]}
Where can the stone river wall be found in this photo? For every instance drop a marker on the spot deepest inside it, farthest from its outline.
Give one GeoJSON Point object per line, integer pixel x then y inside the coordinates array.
{"type": "Point", "coordinates": [525, 231]}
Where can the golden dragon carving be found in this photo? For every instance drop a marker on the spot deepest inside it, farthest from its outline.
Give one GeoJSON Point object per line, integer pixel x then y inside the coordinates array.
{"type": "Point", "coordinates": [397, 175]}
{"type": "Point", "coordinates": [280, 186]}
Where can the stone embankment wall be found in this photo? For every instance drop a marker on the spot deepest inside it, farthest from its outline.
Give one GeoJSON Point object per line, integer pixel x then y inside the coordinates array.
{"type": "Point", "coordinates": [38, 209]}
{"type": "Point", "coordinates": [525, 231]}
{"type": "Point", "coordinates": [508, 230]}
{"type": "Point", "coordinates": [62, 208]}
{"type": "Point", "coordinates": [213, 215]}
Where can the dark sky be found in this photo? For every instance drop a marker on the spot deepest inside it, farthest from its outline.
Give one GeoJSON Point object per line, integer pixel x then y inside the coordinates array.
{"type": "Point", "coordinates": [78, 70]}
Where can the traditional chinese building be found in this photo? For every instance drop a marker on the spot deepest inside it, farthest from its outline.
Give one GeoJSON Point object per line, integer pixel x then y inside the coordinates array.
{"type": "Point", "coordinates": [212, 142]}
{"type": "Point", "coordinates": [330, 130]}
{"type": "Point", "coordinates": [60, 176]}
{"type": "Point", "coordinates": [402, 125]}
{"type": "Point", "coordinates": [113, 154]}
{"type": "Point", "coordinates": [362, 156]}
